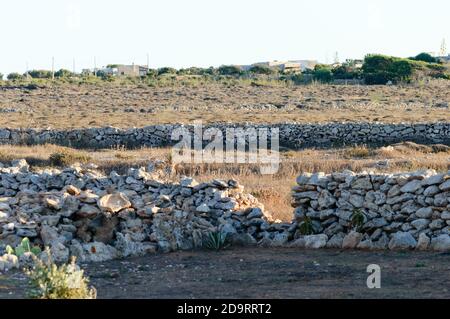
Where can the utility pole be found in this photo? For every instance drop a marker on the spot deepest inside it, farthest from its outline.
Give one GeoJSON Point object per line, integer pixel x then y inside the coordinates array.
{"type": "Point", "coordinates": [53, 67]}
{"type": "Point", "coordinates": [73, 67]}
{"type": "Point", "coordinates": [148, 61]}
{"type": "Point", "coordinates": [95, 66]}
{"type": "Point", "coordinates": [443, 51]}
{"type": "Point", "coordinates": [336, 57]}
{"type": "Point", "coordinates": [26, 71]}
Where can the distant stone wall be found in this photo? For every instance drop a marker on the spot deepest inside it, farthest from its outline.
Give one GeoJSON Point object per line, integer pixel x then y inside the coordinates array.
{"type": "Point", "coordinates": [292, 135]}
{"type": "Point", "coordinates": [373, 211]}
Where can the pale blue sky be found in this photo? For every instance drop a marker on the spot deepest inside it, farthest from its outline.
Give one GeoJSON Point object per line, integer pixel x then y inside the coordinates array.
{"type": "Point", "coordinates": [182, 33]}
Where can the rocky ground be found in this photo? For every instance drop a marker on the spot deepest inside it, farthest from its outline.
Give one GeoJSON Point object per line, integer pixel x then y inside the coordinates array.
{"type": "Point", "coordinates": [66, 106]}
{"type": "Point", "coordinates": [263, 273]}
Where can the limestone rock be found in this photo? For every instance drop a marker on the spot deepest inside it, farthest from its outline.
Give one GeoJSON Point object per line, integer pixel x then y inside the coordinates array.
{"type": "Point", "coordinates": [402, 241]}
{"type": "Point", "coordinates": [351, 240]}
{"type": "Point", "coordinates": [423, 242]}
{"type": "Point", "coordinates": [441, 243]}
{"type": "Point", "coordinates": [114, 203]}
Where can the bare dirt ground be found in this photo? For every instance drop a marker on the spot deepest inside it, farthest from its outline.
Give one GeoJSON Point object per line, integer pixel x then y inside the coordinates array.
{"type": "Point", "coordinates": [263, 273]}
{"type": "Point", "coordinates": [63, 105]}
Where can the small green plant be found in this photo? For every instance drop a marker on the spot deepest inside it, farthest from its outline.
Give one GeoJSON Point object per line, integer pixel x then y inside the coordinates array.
{"type": "Point", "coordinates": [49, 281]}
{"type": "Point", "coordinates": [22, 248]}
{"type": "Point", "coordinates": [306, 227]}
{"type": "Point", "coordinates": [357, 219]}
{"type": "Point", "coordinates": [216, 241]}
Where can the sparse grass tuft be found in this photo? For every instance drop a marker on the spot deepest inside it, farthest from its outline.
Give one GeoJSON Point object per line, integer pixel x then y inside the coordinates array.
{"type": "Point", "coordinates": [66, 158]}
{"type": "Point", "coordinates": [360, 151]}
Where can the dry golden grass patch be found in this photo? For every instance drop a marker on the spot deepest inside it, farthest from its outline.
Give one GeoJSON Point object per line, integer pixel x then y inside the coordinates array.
{"type": "Point", "coordinates": [86, 105]}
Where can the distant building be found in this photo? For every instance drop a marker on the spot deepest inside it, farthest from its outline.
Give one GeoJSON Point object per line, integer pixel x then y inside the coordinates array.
{"type": "Point", "coordinates": [444, 59]}
{"type": "Point", "coordinates": [131, 70]}
{"type": "Point", "coordinates": [306, 64]}
{"type": "Point", "coordinates": [358, 64]}
{"type": "Point", "coordinates": [285, 66]}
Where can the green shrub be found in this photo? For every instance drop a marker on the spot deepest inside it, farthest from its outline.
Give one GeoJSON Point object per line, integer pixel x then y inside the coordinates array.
{"type": "Point", "coordinates": [14, 76]}
{"type": "Point", "coordinates": [323, 73]}
{"type": "Point", "coordinates": [380, 69]}
{"type": "Point", "coordinates": [63, 73]}
{"type": "Point", "coordinates": [425, 57]}
{"type": "Point", "coordinates": [229, 70]}
{"type": "Point", "coordinates": [49, 281]}
{"type": "Point", "coordinates": [65, 158]}
{"type": "Point", "coordinates": [40, 74]}
{"type": "Point", "coordinates": [262, 69]}
{"type": "Point", "coordinates": [166, 70]}
{"type": "Point", "coordinates": [215, 241]}
{"type": "Point", "coordinates": [346, 72]}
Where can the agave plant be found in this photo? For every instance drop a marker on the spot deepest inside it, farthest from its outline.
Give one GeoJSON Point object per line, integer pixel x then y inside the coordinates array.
{"type": "Point", "coordinates": [216, 241]}
{"type": "Point", "coordinates": [357, 219]}
{"type": "Point", "coordinates": [22, 248]}
{"type": "Point", "coordinates": [306, 227]}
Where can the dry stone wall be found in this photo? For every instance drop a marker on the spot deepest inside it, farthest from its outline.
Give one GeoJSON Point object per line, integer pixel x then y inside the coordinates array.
{"type": "Point", "coordinates": [82, 212]}
{"type": "Point", "coordinates": [375, 211]}
{"type": "Point", "coordinates": [293, 135]}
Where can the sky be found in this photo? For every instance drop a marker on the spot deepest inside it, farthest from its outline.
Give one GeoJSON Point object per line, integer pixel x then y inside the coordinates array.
{"type": "Point", "coordinates": [203, 33]}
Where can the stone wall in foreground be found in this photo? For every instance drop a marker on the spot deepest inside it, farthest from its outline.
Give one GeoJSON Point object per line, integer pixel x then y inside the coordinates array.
{"type": "Point", "coordinates": [82, 212]}
{"type": "Point", "coordinates": [374, 211]}
{"type": "Point", "coordinates": [293, 135]}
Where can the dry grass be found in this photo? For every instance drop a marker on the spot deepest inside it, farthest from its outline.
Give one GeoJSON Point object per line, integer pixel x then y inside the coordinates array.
{"type": "Point", "coordinates": [272, 190]}
{"type": "Point", "coordinates": [73, 106]}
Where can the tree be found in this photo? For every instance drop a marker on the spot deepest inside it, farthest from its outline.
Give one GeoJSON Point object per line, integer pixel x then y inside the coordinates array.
{"type": "Point", "coordinates": [425, 57]}
{"type": "Point", "coordinates": [1, 76]}
{"type": "Point", "coordinates": [261, 69]}
{"type": "Point", "coordinates": [323, 73]}
{"type": "Point", "coordinates": [40, 74]}
{"type": "Point", "coordinates": [63, 73]}
{"type": "Point", "coordinates": [14, 76]}
{"type": "Point", "coordinates": [346, 72]}
{"type": "Point", "coordinates": [381, 69]}
{"type": "Point", "coordinates": [229, 70]}
{"type": "Point", "coordinates": [166, 70]}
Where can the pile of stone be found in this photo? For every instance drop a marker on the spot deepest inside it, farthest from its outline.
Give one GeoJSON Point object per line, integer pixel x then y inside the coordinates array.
{"type": "Point", "coordinates": [78, 211]}
{"type": "Point", "coordinates": [373, 211]}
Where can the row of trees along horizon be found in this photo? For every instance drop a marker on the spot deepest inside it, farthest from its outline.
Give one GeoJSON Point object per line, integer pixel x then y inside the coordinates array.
{"type": "Point", "coordinates": [376, 70]}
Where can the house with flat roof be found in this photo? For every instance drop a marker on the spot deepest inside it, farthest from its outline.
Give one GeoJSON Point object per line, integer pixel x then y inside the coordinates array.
{"type": "Point", "coordinates": [285, 66]}
{"type": "Point", "coordinates": [131, 70]}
